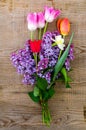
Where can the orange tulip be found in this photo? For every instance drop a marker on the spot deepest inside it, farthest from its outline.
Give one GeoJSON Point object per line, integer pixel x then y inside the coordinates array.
{"type": "Point", "coordinates": [58, 24]}
{"type": "Point", "coordinates": [63, 26]}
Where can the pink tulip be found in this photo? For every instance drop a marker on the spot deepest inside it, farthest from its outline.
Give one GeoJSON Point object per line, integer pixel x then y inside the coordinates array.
{"type": "Point", "coordinates": [41, 20]}
{"type": "Point", "coordinates": [32, 21]}
{"type": "Point", "coordinates": [51, 14]}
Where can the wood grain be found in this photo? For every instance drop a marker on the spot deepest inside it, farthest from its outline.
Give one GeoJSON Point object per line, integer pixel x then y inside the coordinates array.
{"type": "Point", "coordinates": [68, 106]}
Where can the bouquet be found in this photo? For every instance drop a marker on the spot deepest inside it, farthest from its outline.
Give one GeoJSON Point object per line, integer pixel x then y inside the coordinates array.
{"type": "Point", "coordinates": [45, 60]}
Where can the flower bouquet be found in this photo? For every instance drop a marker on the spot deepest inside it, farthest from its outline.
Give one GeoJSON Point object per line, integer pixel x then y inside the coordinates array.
{"type": "Point", "coordinates": [45, 60]}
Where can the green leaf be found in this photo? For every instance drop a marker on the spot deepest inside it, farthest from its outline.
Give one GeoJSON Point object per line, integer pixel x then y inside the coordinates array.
{"type": "Point", "coordinates": [62, 79]}
{"type": "Point", "coordinates": [45, 95]}
{"type": "Point", "coordinates": [61, 61]}
{"type": "Point", "coordinates": [41, 83]}
{"type": "Point", "coordinates": [68, 85]}
{"type": "Point", "coordinates": [66, 78]}
{"type": "Point", "coordinates": [36, 91]}
{"type": "Point", "coordinates": [64, 72]}
{"type": "Point", "coordinates": [69, 79]}
{"type": "Point", "coordinates": [48, 94]}
{"type": "Point", "coordinates": [51, 92]}
{"type": "Point", "coordinates": [35, 99]}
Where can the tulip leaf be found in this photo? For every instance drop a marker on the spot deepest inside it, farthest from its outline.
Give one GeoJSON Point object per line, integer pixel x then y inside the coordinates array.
{"type": "Point", "coordinates": [68, 85]}
{"type": "Point", "coordinates": [64, 72]}
{"type": "Point", "coordinates": [67, 79]}
{"type": "Point", "coordinates": [61, 61]}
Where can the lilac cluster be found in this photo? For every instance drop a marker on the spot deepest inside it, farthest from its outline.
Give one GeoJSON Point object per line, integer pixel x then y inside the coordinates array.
{"type": "Point", "coordinates": [69, 57]}
{"type": "Point", "coordinates": [47, 51]}
{"type": "Point", "coordinates": [24, 62]}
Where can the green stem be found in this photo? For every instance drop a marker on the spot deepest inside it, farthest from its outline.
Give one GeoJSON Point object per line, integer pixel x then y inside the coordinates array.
{"type": "Point", "coordinates": [45, 28]}
{"type": "Point", "coordinates": [46, 117]}
{"type": "Point", "coordinates": [40, 33]}
{"type": "Point", "coordinates": [60, 54]}
{"type": "Point", "coordinates": [35, 57]}
{"type": "Point", "coordinates": [31, 35]}
{"type": "Point", "coordinates": [54, 44]}
{"type": "Point", "coordinates": [51, 84]}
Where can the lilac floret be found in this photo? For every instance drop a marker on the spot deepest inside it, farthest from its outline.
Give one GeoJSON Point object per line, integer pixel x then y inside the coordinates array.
{"type": "Point", "coordinates": [67, 64]}
{"type": "Point", "coordinates": [42, 64]}
{"type": "Point", "coordinates": [24, 63]}
{"type": "Point", "coordinates": [71, 52]}
{"type": "Point", "coordinates": [47, 51]}
{"type": "Point", "coordinates": [46, 76]}
{"type": "Point", "coordinates": [69, 57]}
{"type": "Point", "coordinates": [28, 79]}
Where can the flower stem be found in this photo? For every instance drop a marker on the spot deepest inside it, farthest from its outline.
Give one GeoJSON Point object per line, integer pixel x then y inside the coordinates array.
{"type": "Point", "coordinates": [54, 44]}
{"type": "Point", "coordinates": [40, 33]}
{"type": "Point", "coordinates": [60, 54]}
{"type": "Point", "coordinates": [31, 35]}
{"type": "Point", "coordinates": [45, 28]}
{"type": "Point", "coordinates": [35, 57]}
{"type": "Point", "coordinates": [46, 117]}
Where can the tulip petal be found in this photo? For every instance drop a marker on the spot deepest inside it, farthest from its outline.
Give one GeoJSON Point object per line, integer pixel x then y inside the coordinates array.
{"type": "Point", "coordinates": [51, 14]}
{"type": "Point", "coordinates": [58, 24]}
{"type": "Point", "coordinates": [35, 45]}
{"type": "Point", "coordinates": [32, 21]}
{"type": "Point", "coordinates": [41, 20]}
{"type": "Point", "coordinates": [64, 27]}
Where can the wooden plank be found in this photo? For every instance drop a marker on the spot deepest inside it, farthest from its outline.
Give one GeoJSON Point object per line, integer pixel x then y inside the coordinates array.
{"type": "Point", "coordinates": [68, 106]}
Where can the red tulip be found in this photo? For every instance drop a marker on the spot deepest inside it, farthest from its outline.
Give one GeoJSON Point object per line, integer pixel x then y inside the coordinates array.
{"type": "Point", "coordinates": [63, 26]}
{"type": "Point", "coordinates": [35, 45]}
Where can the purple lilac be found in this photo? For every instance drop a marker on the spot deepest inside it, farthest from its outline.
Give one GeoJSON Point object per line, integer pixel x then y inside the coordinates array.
{"type": "Point", "coordinates": [47, 51]}
{"type": "Point", "coordinates": [71, 52]}
{"type": "Point", "coordinates": [69, 57]}
{"type": "Point", "coordinates": [67, 64]}
{"type": "Point", "coordinates": [24, 63]}
{"type": "Point", "coordinates": [42, 64]}
{"type": "Point", "coordinates": [46, 75]}
{"type": "Point", "coordinates": [28, 79]}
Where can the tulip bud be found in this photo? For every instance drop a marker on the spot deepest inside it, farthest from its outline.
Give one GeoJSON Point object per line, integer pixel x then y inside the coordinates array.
{"type": "Point", "coordinates": [51, 14]}
{"type": "Point", "coordinates": [35, 46]}
{"type": "Point", "coordinates": [32, 21]}
{"type": "Point", "coordinates": [40, 20]}
{"type": "Point", "coordinates": [63, 26]}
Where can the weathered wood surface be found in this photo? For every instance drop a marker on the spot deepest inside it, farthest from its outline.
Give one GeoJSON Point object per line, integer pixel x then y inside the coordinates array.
{"type": "Point", "coordinates": [68, 106]}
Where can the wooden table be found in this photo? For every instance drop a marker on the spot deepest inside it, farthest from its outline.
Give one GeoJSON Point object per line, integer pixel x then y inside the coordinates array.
{"type": "Point", "coordinates": [68, 106]}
